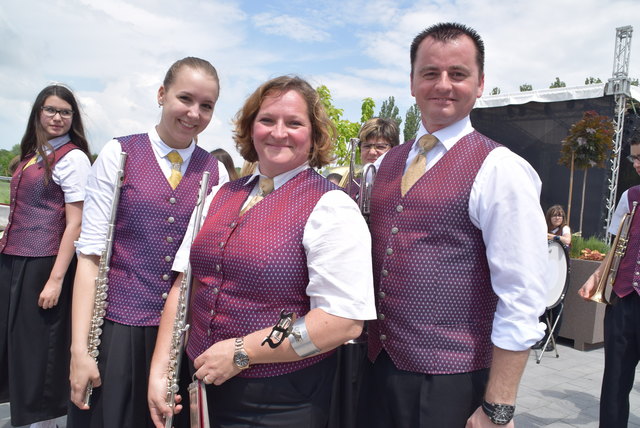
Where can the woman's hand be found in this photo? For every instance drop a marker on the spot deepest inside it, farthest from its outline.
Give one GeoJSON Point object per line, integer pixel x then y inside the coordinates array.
{"type": "Point", "coordinates": [215, 365]}
{"type": "Point", "coordinates": [82, 370]}
{"type": "Point", "coordinates": [157, 399]}
{"type": "Point", "coordinates": [50, 293]}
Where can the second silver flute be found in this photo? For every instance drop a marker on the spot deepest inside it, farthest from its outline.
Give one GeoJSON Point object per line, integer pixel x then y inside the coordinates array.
{"type": "Point", "coordinates": [101, 283]}
{"type": "Point", "coordinates": [180, 325]}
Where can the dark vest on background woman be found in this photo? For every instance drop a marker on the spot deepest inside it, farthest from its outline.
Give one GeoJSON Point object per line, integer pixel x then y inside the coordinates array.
{"type": "Point", "coordinates": [433, 291]}
{"type": "Point", "coordinates": [151, 221]}
{"type": "Point", "coordinates": [37, 215]}
{"type": "Point", "coordinates": [250, 267]}
{"type": "Point", "coordinates": [628, 277]}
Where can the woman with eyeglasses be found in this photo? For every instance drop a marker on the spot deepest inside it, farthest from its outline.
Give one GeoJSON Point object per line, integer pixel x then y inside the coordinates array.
{"type": "Point", "coordinates": [377, 136]}
{"type": "Point", "coordinates": [557, 229]}
{"type": "Point", "coordinates": [37, 259]}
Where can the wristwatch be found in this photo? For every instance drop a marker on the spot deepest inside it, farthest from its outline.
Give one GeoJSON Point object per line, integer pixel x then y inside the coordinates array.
{"type": "Point", "coordinates": [240, 357]}
{"type": "Point", "coordinates": [499, 414]}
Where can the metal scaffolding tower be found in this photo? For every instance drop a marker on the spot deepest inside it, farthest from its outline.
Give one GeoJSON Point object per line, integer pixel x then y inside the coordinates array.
{"type": "Point", "coordinates": [618, 86]}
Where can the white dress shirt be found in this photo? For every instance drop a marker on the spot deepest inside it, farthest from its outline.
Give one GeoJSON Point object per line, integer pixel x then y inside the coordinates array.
{"type": "Point", "coordinates": [505, 205]}
{"type": "Point", "coordinates": [70, 172]}
{"type": "Point", "coordinates": [101, 184]}
{"type": "Point", "coordinates": [622, 208]}
{"type": "Point", "coordinates": [338, 248]}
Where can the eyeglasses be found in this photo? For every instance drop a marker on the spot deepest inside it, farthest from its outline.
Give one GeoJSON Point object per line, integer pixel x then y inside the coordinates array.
{"type": "Point", "coordinates": [633, 158]}
{"type": "Point", "coordinates": [557, 215]}
{"type": "Point", "coordinates": [378, 147]}
{"type": "Point", "coordinates": [52, 111]}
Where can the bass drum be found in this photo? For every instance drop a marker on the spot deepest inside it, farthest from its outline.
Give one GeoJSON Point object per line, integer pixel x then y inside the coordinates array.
{"type": "Point", "coordinates": [557, 273]}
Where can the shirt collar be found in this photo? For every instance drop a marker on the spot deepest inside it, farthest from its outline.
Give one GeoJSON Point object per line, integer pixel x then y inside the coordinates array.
{"type": "Point", "coordinates": [281, 179]}
{"type": "Point", "coordinates": [447, 136]}
{"type": "Point", "coordinates": [162, 149]}
{"type": "Point", "coordinates": [57, 142]}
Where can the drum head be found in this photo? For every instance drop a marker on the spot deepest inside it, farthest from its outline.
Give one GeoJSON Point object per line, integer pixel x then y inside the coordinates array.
{"type": "Point", "coordinates": [557, 273]}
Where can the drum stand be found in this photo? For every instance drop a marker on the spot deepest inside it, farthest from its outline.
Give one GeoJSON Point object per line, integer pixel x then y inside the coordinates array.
{"type": "Point", "coordinates": [550, 319]}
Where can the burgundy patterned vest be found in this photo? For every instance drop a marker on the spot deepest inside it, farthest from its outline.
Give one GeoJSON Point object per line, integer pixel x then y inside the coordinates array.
{"type": "Point", "coordinates": [37, 213]}
{"type": "Point", "coordinates": [433, 291]}
{"type": "Point", "coordinates": [628, 277]}
{"type": "Point", "coordinates": [151, 221]}
{"type": "Point", "coordinates": [249, 268]}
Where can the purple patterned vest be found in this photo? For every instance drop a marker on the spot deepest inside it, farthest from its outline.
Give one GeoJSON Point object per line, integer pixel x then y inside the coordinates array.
{"type": "Point", "coordinates": [151, 221]}
{"type": "Point", "coordinates": [628, 276]}
{"type": "Point", "coordinates": [249, 268]}
{"type": "Point", "coordinates": [37, 213]}
{"type": "Point", "coordinates": [433, 291]}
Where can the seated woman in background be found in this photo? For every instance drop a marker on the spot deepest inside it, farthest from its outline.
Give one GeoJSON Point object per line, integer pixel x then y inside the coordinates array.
{"type": "Point", "coordinates": [557, 229]}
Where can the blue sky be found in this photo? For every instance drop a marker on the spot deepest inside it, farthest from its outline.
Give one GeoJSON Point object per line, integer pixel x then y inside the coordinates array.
{"type": "Point", "coordinates": [114, 53]}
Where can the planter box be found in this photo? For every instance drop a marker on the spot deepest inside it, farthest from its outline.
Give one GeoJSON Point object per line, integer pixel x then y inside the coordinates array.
{"type": "Point", "coordinates": [582, 321]}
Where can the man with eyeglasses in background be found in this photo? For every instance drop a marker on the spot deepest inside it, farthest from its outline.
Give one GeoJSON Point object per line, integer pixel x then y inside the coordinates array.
{"type": "Point", "coordinates": [622, 317]}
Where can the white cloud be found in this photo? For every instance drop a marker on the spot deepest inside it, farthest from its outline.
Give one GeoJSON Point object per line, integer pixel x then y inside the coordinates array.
{"type": "Point", "coordinates": [289, 26]}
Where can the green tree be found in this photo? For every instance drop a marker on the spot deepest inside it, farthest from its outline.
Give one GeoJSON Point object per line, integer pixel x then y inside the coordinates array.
{"type": "Point", "coordinates": [368, 106]}
{"type": "Point", "coordinates": [592, 80]}
{"type": "Point", "coordinates": [526, 87]}
{"type": "Point", "coordinates": [495, 91]}
{"type": "Point", "coordinates": [411, 122]}
{"type": "Point", "coordinates": [5, 159]}
{"type": "Point", "coordinates": [389, 110]}
{"type": "Point", "coordinates": [588, 145]}
{"type": "Point", "coordinates": [557, 84]}
{"type": "Point", "coordinates": [634, 82]}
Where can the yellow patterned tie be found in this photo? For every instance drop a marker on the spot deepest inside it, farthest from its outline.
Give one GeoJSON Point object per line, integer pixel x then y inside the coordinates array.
{"type": "Point", "coordinates": [31, 162]}
{"type": "Point", "coordinates": [266, 187]}
{"type": "Point", "coordinates": [418, 165]}
{"type": "Point", "coordinates": [176, 163]}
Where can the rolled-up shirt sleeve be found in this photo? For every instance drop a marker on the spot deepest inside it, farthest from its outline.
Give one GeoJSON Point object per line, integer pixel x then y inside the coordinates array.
{"type": "Point", "coordinates": [338, 246]}
{"type": "Point", "coordinates": [505, 205]}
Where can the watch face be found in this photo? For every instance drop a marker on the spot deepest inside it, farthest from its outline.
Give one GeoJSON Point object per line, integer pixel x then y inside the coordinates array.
{"type": "Point", "coordinates": [502, 414]}
{"type": "Point", "coordinates": [241, 359]}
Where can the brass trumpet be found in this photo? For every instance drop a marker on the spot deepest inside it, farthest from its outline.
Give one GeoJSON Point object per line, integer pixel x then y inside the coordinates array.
{"type": "Point", "coordinates": [618, 250]}
{"type": "Point", "coordinates": [359, 191]}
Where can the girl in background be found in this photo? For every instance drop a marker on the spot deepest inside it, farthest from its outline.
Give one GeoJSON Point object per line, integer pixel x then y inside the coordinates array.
{"type": "Point", "coordinates": [37, 260]}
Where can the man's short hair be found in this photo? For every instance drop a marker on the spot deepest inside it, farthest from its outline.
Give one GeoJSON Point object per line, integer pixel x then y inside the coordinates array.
{"type": "Point", "coordinates": [446, 31]}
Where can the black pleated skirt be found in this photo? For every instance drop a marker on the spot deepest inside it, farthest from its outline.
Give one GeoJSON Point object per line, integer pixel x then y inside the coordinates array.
{"type": "Point", "coordinates": [34, 342]}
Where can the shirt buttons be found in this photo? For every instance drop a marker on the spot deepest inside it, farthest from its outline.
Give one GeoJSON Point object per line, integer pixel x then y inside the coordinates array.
{"type": "Point", "coordinates": [399, 208]}
{"type": "Point", "coordinates": [172, 200]}
{"type": "Point", "coordinates": [165, 277]}
{"type": "Point", "coordinates": [389, 251]}
{"type": "Point", "coordinates": [171, 220]}
{"type": "Point", "coordinates": [383, 337]}
{"type": "Point", "coordinates": [394, 230]}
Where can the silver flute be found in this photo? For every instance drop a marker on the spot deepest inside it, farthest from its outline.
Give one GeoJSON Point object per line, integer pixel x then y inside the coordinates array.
{"type": "Point", "coordinates": [180, 326]}
{"type": "Point", "coordinates": [101, 282]}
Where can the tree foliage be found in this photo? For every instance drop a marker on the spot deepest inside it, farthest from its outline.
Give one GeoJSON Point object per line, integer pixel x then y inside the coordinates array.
{"type": "Point", "coordinates": [526, 87]}
{"type": "Point", "coordinates": [389, 110]}
{"type": "Point", "coordinates": [495, 91]}
{"type": "Point", "coordinates": [411, 122]}
{"type": "Point", "coordinates": [5, 159]}
{"type": "Point", "coordinates": [557, 84]}
{"type": "Point", "coordinates": [589, 142]}
{"type": "Point", "coordinates": [592, 80]}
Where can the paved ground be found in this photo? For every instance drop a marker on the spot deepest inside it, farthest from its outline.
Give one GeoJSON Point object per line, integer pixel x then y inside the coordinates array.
{"type": "Point", "coordinates": [557, 393]}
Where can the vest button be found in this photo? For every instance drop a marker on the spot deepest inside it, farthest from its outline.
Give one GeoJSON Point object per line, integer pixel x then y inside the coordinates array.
{"type": "Point", "coordinates": [382, 294]}
{"type": "Point", "coordinates": [385, 272]}
{"type": "Point", "coordinates": [221, 244]}
{"type": "Point", "coordinates": [209, 332]}
{"type": "Point", "coordinates": [167, 258]}
{"type": "Point", "coordinates": [212, 312]}
{"type": "Point", "coordinates": [165, 277]}
{"type": "Point", "coordinates": [169, 239]}
{"type": "Point", "coordinates": [635, 284]}
{"type": "Point", "coordinates": [172, 200]}
{"type": "Point", "coordinates": [381, 317]}
{"type": "Point", "coordinates": [171, 219]}
{"type": "Point", "coordinates": [394, 230]}
{"type": "Point", "coordinates": [399, 208]}
{"type": "Point", "coordinates": [383, 337]}
{"type": "Point", "coordinates": [215, 290]}
{"type": "Point", "coordinates": [389, 251]}
{"type": "Point", "coordinates": [233, 224]}
{"type": "Point", "coordinates": [164, 296]}
{"type": "Point", "coordinates": [218, 267]}
{"type": "Point", "coordinates": [636, 273]}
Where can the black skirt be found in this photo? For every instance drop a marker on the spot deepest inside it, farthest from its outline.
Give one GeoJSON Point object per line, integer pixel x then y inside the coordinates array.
{"type": "Point", "coordinates": [34, 342]}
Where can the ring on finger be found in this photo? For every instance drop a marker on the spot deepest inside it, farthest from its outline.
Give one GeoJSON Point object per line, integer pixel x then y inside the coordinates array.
{"type": "Point", "coordinates": [205, 380]}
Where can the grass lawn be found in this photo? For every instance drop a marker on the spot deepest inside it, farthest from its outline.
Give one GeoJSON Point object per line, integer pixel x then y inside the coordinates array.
{"type": "Point", "coordinates": [4, 192]}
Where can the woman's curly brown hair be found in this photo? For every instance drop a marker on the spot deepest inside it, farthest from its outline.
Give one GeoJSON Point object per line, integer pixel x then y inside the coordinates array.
{"type": "Point", "coordinates": [322, 129]}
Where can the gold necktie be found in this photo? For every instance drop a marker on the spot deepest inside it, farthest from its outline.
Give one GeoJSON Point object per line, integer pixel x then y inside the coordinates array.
{"type": "Point", "coordinates": [266, 187]}
{"type": "Point", "coordinates": [418, 165]}
{"type": "Point", "coordinates": [31, 162]}
{"type": "Point", "coordinates": [176, 163]}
